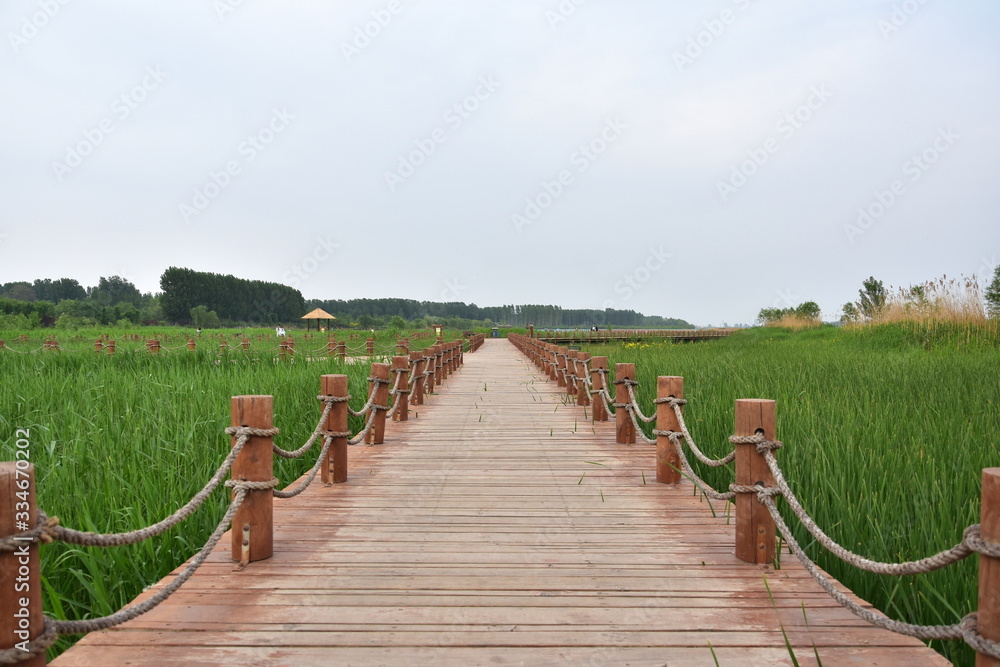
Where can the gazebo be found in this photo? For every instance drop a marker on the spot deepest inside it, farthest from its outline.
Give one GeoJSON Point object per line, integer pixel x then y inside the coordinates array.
{"type": "Point", "coordinates": [319, 314]}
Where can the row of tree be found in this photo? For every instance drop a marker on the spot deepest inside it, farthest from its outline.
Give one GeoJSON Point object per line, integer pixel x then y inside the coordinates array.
{"type": "Point", "coordinates": [66, 303]}
{"type": "Point", "coordinates": [232, 299]}
{"type": "Point", "coordinates": [353, 310]}
{"type": "Point", "coordinates": [808, 311]}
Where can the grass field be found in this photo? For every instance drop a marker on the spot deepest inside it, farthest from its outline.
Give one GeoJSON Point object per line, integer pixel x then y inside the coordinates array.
{"type": "Point", "coordinates": [119, 442]}
{"type": "Point", "coordinates": [886, 431]}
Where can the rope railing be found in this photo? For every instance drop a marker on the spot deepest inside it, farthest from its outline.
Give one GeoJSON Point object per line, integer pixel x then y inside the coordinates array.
{"type": "Point", "coordinates": [251, 474]}
{"type": "Point", "coordinates": [759, 480]}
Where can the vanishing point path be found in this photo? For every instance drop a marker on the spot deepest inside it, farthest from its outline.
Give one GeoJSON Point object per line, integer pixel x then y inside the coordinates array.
{"type": "Point", "coordinates": [497, 527]}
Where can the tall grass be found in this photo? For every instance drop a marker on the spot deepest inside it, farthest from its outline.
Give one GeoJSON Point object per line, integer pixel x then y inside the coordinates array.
{"type": "Point", "coordinates": [886, 431]}
{"type": "Point", "coordinates": [122, 441]}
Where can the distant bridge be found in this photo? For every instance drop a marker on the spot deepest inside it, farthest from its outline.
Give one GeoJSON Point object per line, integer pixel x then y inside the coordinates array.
{"type": "Point", "coordinates": [578, 336]}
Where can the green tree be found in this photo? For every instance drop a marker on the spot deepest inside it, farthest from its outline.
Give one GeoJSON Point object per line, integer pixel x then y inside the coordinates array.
{"type": "Point", "coordinates": [769, 315]}
{"type": "Point", "coordinates": [851, 314]}
{"type": "Point", "coordinates": [204, 318]}
{"type": "Point", "coordinates": [809, 310]}
{"type": "Point", "coordinates": [993, 295]}
{"type": "Point", "coordinates": [872, 298]}
{"type": "Point", "coordinates": [397, 323]}
{"type": "Point", "coordinates": [114, 290]}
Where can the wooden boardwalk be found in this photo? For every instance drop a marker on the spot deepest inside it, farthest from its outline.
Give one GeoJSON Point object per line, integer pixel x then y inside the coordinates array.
{"type": "Point", "coordinates": [497, 528]}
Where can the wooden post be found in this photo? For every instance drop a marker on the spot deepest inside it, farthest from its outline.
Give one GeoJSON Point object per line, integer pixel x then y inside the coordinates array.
{"type": "Point", "coordinates": [438, 364]}
{"type": "Point", "coordinates": [582, 393]}
{"type": "Point", "coordinates": [552, 355]}
{"type": "Point", "coordinates": [377, 434]}
{"type": "Point", "coordinates": [254, 464]}
{"type": "Point", "coordinates": [418, 363]}
{"type": "Point", "coordinates": [331, 348]}
{"type": "Point", "coordinates": [624, 428]}
{"type": "Point", "coordinates": [401, 367]}
{"type": "Point", "coordinates": [561, 365]}
{"type": "Point", "coordinates": [754, 525]}
{"type": "Point", "coordinates": [370, 347]}
{"type": "Point", "coordinates": [342, 351]}
{"type": "Point", "coordinates": [98, 345]}
{"type": "Point", "coordinates": [21, 618]}
{"type": "Point", "coordinates": [668, 462]}
{"type": "Point", "coordinates": [283, 350]}
{"type": "Point", "coordinates": [246, 344]}
{"type": "Point", "coordinates": [191, 345]}
{"type": "Point", "coordinates": [570, 372]}
{"type": "Point", "coordinates": [336, 385]}
{"type": "Point", "coordinates": [111, 347]}
{"type": "Point", "coordinates": [989, 568]}
{"type": "Point", "coordinates": [531, 331]}
{"type": "Point", "coordinates": [599, 412]}
{"type": "Point", "coordinates": [401, 348]}
{"type": "Point", "coordinates": [431, 353]}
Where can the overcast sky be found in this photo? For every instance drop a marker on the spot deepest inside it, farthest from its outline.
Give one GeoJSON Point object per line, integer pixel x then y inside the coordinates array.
{"type": "Point", "coordinates": [688, 159]}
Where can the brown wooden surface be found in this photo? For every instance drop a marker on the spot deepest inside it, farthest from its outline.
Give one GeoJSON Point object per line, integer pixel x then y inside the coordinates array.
{"type": "Point", "coordinates": [989, 568]}
{"type": "Point", "coordinates": [336, 421]}
{"type": "Point", "coordinates": [624, 428]}
{"type": "Point", "coordinates": [254, 464]}
{"type": "Point", "coordinates": [20, 580]}
{"type": "Point", "coordinates": [381, 371]}
{"type": "Point", "coordinates": [755, 531]}
{"type": "Point", "coordinates": [668, 461]}
{"type": "Point", "coordinates": [500, 527]}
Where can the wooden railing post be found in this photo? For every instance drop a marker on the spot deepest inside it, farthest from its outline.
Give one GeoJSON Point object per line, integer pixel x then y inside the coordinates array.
{"type": "Point", "coordinates": [401, 367]}
{"type": "Point", "coordinates": [377, 434]}
{"type": "Point", "coordinates": [254, 464]}
{"type": "Point", "coordinates": [599, 413]}
{"type": "Point", "coordinates": [370, 347]}
{"type": "Point", "coordinates": [582, 393]}
{"type": "Point", "coordinates": [336, 422]}
{"type": "Point", "coordinates": [552, 357]}
{"type": "Point", "coordinates": [430, 382]}
{"type": "Point", "coordinates": [111, 347]}
{"type": "Point", "coordinates": [401, 348]}
{"type": "Point", "coordinates": [191, 345]}
{"type": "Point", "coordinates": [624, 428]}
{"type": "Point", "coordinates": [342, 351]}
{"type": "Point", "coordinates": [754, 526]}
{"type": "Point", "coordinates": [21, 595]}
{"type": "Point", "coordinates": [98, 345]}
{"type": "Point", "coordinates": [331, 348]}
{"type": "Point", "coordinates": [418, 363]}
{"type": "Point", "coordinates": [668, 461]}
{"type": "Point", "coordinates": [246, 344]}
{"type": "Point", "coordinates": [438, 364]}
{"type": "Point", "coordinates": [561, 365]}
{"type": "Point", "coordinates": [571, 372]}
{"type": "Point", "coordinates": [989, 568]}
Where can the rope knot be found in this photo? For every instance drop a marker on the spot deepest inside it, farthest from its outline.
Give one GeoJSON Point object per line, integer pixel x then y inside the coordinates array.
{"type": "Point", "coordinates": [246, 431]}
{"type": "Point", "coordinates": [334, 399]}
{"type": "Point", "coordinates": [245, 485]}
{"type": "Point", "coordinates": [974, 541]}
{"type": "Point", "coordinates": [762, 492]}
{"type": "Point", "coordinates": [44, 532]}
{"type": "Point", "coordinates": [378, 380]}
{"type": "Point", "coordinates": [671, 401]}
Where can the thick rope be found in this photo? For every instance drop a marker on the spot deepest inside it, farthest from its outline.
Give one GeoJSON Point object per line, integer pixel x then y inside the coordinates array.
{"type": "Point", "coordinates": [127, 614]}
{"type": "Point", "coordinates": [318, 431]}
{"type": "Point", "coordinates": [88, 539]}
{"type": "Point", "coordinates": [971, 541]}
{"type": "Point", "coordinates": [630, 386]}
{"type": "Point", "coordinates": [291, 493]}
{"type": "Point", "coordinates": [698, 481]}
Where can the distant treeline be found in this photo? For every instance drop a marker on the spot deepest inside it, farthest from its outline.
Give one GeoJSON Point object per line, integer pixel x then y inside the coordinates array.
{"type": "Point", "coordinates": [233, 299]}
{"type": "Point", "coordinates": [353, 310]}
{"type": "Point", "coordinates": [211, 299]}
